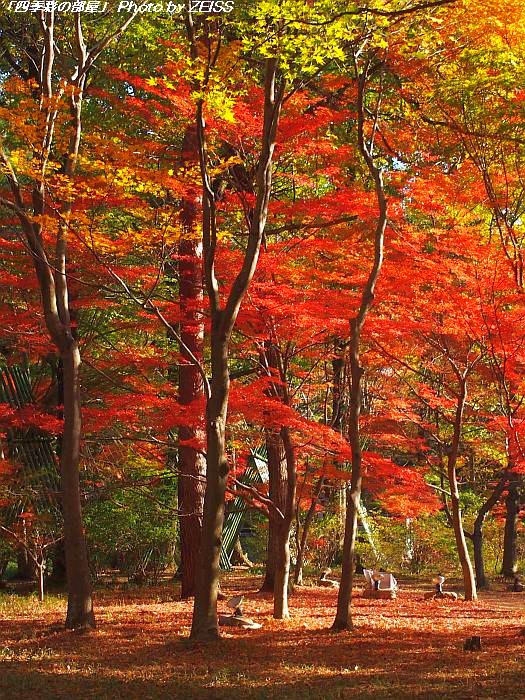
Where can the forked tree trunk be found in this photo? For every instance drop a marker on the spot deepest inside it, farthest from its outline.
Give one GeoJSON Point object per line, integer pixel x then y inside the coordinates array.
{"type": "Point", "coordinates": [51, 272]}
{"type": "Point", "coordinates": [510, 535]}
{"type": "Point", "coordinates": [223, 319]}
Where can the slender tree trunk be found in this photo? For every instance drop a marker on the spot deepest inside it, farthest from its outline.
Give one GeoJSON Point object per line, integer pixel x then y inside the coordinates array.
{"type": "Point", "coordinates": [343, 618]}
{"type": "Point", "coordinates": [477, 531]}
{"type": "Point", "coordinates": [191, 462]}
{"type": "Point", "coordinates": [240, 555]}
{"type": "Point", "coordinates": [80, 603]}
{"type": "Point", "coordinates": [277, 493]}
{"type": "Point", "coordinates": [479, 561]}
{"type": "Point", "coordinates": [41, 567]}
{"type": "Point", "coordinates": [282, 572]}
{"type": "Point", "coordinates": [469, 582]}
{"type": "Point", "coordinates": [301, 548]}
{"type": "Point", "coordinates": [510, 535]}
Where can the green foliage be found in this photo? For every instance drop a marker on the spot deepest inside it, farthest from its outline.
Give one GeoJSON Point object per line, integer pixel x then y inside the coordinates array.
{"type": "Point", "coordinates": [135, 531]}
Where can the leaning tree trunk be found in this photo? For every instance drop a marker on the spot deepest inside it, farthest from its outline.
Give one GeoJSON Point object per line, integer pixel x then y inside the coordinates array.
{"type": "Point", "coordinates": [469, 582]}
{"type": "Point", "coordinates": [191, 462]}
{"type": "Point", "coordinates": [301, 545]}
{"type": "Point", "coordinates": [510, 535]}
{"type": "Point", "coordinates": [477, 531]}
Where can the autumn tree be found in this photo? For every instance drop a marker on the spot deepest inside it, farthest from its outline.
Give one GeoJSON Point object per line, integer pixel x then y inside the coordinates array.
{"type": "Point", "coordinates": [40, 195]}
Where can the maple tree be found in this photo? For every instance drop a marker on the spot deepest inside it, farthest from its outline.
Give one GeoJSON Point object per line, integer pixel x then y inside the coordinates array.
{"type": "Point", "coordinates": [299, 225]}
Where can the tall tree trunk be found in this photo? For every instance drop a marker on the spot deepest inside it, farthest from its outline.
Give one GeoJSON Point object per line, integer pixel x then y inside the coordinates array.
{"type": "Point", "coordinates": [191, 462]}
{"type": "Point", "coordinates": [51, 270]}
{"type": "Point", "coordinates": [223, 320]}
{"type": "Point", "coordinates": [512, 507]}
{"type": "Point", "coordinates": [343, 618]}
{"type": "Point", "coordinates": [80, 603]}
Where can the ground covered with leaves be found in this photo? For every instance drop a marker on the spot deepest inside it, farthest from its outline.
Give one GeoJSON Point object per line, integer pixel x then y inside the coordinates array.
{"type": "Point", "coordinates": [407, 648]}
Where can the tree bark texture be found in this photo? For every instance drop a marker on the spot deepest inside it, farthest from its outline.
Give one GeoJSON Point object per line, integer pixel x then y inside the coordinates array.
{"type": "Point", "coordinates": [191, 461]}
{"type": "Point", "coordinates": [512, 508]}
{"type": "Point", "coordinates": [277, 494]}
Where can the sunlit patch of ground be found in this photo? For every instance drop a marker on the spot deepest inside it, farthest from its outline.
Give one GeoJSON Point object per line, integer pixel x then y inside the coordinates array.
{"type": "Point", "coordinates": [407, 648]}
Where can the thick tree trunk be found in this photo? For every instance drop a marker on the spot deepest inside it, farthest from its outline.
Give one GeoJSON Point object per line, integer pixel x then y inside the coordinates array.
{"type": "Point", "coordinates": [80, 604]}
{"type": "Point", "coordinates": [284, 524]}
{"type": "Point", "coordinates": [191, 462]}
{"type": "Point", "coordinates": [205, 621]}
{"type": "Point", "coordinates": [512, 506]}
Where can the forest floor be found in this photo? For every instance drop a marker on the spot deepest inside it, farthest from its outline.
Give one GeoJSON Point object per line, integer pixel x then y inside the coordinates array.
{"type": "Point", "coordinates": [407, 648]}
